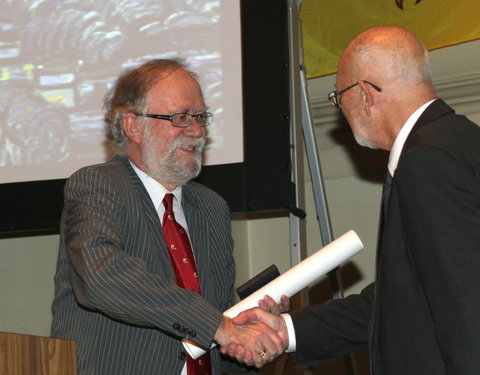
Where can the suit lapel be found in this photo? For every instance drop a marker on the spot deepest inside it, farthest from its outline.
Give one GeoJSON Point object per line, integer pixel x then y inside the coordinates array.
{"type": "Point", "coordinates": [198, 232]}
{"type": "Point", "coordinates": [435, 110]}
{"type": "Point", "coordinates": [197, 227]}
{"type": "Point", "coordinates": [150, 217]}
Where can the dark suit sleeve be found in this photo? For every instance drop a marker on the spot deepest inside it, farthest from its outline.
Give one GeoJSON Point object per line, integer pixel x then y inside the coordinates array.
{"type": "Point", "coordinates": [112, 260]}
{"type": "Point", "coordinates": [439, 196]}
{"type": "Point", "coordinates": [329, 331]}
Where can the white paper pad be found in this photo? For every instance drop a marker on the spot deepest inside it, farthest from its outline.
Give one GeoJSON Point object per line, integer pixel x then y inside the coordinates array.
{"type": "Point", "coordinates": [296, 278]}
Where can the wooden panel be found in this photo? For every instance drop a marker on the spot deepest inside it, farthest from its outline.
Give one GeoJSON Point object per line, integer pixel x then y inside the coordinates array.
{"type": "Point", "coordinates": [35, 355]}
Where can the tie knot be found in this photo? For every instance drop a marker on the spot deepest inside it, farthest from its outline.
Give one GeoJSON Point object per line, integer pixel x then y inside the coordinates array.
{"type": "Point", "coordinates": [168, 202]}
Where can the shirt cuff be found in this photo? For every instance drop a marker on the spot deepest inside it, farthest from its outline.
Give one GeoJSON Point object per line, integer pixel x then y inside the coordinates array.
{"type": "Point", "coordinates": [292, 342]}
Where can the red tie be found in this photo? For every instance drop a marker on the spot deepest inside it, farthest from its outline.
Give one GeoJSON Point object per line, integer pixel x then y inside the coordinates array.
{"type": "Point", "coordinates": [185, 270]}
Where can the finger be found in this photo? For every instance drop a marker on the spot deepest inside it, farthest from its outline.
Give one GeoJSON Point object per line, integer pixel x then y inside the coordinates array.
{"type": "Point", "coordinates": [271, 349]}
{"type": "Point", "coordinates": [248, 357]}
{"type": "Point", "coordinates": [267, 346]}
{"type": "Point", "coordinates": [245, 317]}
{"type": "Point", "coordinates": [270, 302]}
{"type": "Point", "coordinates": [236, 350]}
{"type": "Point", "coordinates": [244, 356]}
{"type": "Point", "coordinates": [263, 305]}
{"type": "Point", "coordinates": [285, 303]}
{"type": "Point", "coordinates": [267, 318]}
{"type": "Point", "coordinates": [241, 319]}
{"type": "Point", "coordinates": [258, 361]}
{"type": "Point", "coordinates": [263, 357]}
{"type": "Point", "coordinates": [230, 349]}
{"type": "Point", "coordinates": [273, 342]}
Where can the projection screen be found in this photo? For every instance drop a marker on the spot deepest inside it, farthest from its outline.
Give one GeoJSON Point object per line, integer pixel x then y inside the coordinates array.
{"type": "Point", "coordinates": [58, 58]}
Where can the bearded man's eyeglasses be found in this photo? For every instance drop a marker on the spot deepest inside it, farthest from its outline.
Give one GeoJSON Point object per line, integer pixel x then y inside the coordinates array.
{"type": "Point", "coordinates": [182, 120]}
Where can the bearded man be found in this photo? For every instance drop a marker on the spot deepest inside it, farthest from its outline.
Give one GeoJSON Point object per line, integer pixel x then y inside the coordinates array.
{"type": "Point", "coordinates": [126, 291]}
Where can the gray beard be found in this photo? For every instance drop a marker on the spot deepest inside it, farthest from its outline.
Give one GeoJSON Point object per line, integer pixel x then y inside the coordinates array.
{"type": "Point", "coordinates": [362, 141]}
{"type": "Point", "coordinates": [167, 167]}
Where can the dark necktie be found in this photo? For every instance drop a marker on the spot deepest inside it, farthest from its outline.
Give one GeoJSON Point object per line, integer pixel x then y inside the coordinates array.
{"type": "Point", "coordinates": [384, 207]}
{"type": "Point", "coordinates": [386, 193]}
{"type": "Point", "coordinates": [185, 270]}
{"type": "Point", "coordinates": [374, 334]}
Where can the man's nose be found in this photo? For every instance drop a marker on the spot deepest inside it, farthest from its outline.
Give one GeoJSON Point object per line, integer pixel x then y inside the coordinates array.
{"type": "Point", "coordinates": [195, 129]}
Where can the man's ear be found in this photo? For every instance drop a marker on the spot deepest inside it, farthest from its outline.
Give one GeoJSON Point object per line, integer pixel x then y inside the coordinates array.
{"type": "Point", "coordinates": [132, 128]}
{"type": "Point", "coordinates": [367, 97]}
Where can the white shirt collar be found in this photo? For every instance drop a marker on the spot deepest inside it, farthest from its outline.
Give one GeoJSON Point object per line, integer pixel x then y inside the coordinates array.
{"type": "Point", "coordinates": [402, 137]}
{"type": "Point", "coordinates": [157, 191]}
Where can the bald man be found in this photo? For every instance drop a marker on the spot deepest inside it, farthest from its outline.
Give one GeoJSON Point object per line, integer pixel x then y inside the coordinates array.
{"type": "Point", "coordinates": [422, 314]}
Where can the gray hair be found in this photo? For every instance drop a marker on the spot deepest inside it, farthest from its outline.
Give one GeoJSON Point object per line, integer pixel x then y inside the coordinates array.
{"type": "Point", "coordinates": [128, 95]}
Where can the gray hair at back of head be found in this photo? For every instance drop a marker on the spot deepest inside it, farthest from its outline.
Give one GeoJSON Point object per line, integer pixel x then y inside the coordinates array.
{"type": "Point", "coordinates": [129, 92]}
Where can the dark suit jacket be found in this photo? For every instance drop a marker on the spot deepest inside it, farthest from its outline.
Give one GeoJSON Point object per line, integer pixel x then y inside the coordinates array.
{"type": "Point", "coordinates": [115, 291]}
{"type": "Point", "coordinates": [422, 314]}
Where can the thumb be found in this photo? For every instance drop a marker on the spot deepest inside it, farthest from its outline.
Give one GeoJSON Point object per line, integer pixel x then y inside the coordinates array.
{"type": "Point", "coordinates": [244, 317]}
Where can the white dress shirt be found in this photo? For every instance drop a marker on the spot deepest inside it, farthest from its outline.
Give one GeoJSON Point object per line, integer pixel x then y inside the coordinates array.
{"type": "Point", "coordinates": [157, 191]}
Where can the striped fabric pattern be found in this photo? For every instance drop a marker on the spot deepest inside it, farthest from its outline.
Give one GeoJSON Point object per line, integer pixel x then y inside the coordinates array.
{"type": "Point", "coordinates": [115, 291]}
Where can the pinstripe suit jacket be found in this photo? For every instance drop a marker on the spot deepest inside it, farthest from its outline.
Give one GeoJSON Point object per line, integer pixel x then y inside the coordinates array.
{"type": "Point", "coordinates": [115, 291]}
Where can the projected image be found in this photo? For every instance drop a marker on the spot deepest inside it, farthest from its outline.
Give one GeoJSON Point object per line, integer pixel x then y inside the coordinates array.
{"type": "Point", "coordinates": [58, 58]}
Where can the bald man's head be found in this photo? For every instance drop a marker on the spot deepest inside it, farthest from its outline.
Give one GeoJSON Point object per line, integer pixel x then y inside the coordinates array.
{"type": "Point", "coordinates": [386, 53]}
{"type": "Point", "coordinates": [387, 72]}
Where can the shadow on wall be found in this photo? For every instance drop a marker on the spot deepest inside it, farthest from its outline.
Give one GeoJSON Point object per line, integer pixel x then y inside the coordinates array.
{"type": "Point", "coordinates": [370, 165]}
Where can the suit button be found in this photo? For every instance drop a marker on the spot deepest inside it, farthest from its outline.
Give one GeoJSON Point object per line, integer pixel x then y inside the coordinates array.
{"type": "Point", "coordinates": [192, 333]}
{"type": "Point", "coordinates": [182, 356]}
{"type": "Point", "coordinates": [176, 326]}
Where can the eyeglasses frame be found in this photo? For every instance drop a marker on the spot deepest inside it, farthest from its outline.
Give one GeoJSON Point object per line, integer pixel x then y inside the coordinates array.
{"type": "Point", "coordinates": [335, 97]}
{"type": "Point", "coordinates": [171, 117]}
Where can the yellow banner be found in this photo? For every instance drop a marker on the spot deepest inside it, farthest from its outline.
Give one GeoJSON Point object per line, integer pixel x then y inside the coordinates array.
{"type": "Point", "coordinates": [329, 25]}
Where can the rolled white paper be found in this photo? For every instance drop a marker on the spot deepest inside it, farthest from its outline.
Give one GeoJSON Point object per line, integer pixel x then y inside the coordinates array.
{"type": "Point", "coordinates": [296, 278]}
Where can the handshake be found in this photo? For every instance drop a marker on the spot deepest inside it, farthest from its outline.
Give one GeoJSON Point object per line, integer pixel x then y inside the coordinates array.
{"type": "Point", "coordinates": [256, 336]}
{"type": "Point", "coordinates": [259, 335]}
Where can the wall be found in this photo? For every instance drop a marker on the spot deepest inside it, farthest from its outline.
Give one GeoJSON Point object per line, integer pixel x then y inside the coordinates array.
{"type": "Point", "coordinates": [352, 178]}
{"type": "Point", "coordinates": [27, 266]}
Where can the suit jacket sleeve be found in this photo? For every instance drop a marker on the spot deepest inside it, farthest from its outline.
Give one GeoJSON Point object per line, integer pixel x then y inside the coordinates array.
{"type": "Point", "coordinates": [328, 331]}
{"type": "Point", "coordinates": [119, 266]}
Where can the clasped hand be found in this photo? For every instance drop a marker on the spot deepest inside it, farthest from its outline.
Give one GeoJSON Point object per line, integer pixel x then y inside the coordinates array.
{"type": "Point", "coordinates": [256, 336]}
